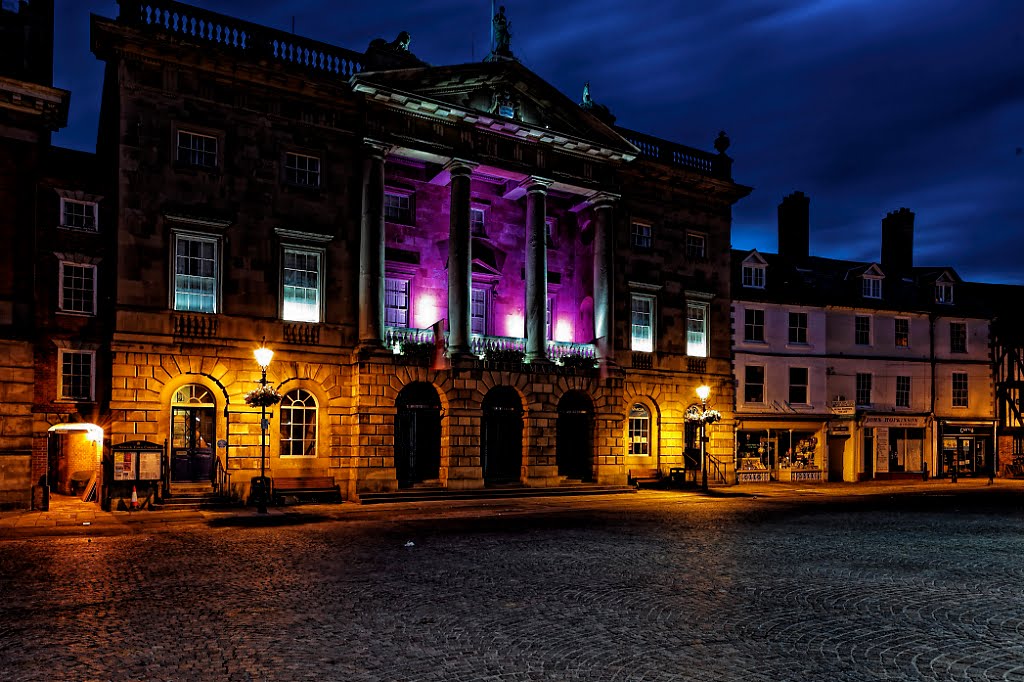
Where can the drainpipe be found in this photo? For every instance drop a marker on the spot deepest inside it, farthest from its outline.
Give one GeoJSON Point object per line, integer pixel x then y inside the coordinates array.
{"type": "Point", "coordinates": [936, 452]}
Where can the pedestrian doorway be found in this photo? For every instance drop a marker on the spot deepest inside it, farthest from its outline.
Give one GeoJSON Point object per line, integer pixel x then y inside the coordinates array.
{"type": "Point", "coordinates": [74, 452]}
{"type": "Point", "coordinates": [417, 434]}
{"type": "Point", "coordinates": [193, 434]}
{"type": "Point", "coordinates": [575, 437]}
{"type": "Point", "coordinates": [501, 436]}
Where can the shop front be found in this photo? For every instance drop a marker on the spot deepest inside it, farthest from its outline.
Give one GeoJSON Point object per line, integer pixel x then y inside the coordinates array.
{"type": "Point", "coordinates": [895, 446]}
{"type": "Point", "coordinates": [780, 451]}
{"type": "Point", "coordinates": [968, 448]}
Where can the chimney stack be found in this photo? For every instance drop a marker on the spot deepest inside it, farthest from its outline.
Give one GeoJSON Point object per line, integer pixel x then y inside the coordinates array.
{"type": "Point", "coordinates": [795, 226]}
{"type": "Point", "coordinates": [898, 242]}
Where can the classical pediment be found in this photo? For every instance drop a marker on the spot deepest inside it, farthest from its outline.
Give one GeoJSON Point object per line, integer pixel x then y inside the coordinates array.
{"type": "Point", "coordinates": [500, 95]}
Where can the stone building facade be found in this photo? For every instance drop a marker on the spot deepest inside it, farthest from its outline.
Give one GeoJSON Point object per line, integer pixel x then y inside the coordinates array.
{"type": "Point", "coordinates": [358, 211]}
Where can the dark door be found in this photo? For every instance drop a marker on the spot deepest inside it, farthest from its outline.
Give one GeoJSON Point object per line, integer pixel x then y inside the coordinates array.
{"type": "Point", "coordinates": [417, 434]}
{"type": "Point", "coordinates": [53, 455]}
{"type": "Point", "coordinates": [501, 446]}
{"type": "Point", "coordinates": [836, 451]}
{"type": "Point", "coordinates": [574, 446]}
{"type": "Point", "coordinates": [192, 449]}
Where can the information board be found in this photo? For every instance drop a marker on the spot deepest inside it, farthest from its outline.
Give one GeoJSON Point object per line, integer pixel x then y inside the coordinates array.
{"type": "Point", "coordinates": [881, 450]}
{"type": "Point", "coordinates": [149, 466]}
{"type": "Point", "coordinates": [124, 466]}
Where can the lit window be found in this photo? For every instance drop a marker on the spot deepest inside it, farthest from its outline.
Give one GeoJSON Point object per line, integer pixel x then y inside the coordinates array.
{"type": "Point", "coordinates": [960, 389]}
{"type": "Point", "coordinates": [298, 424]}
{"type": "Point", "coordinates": [396, 302]}
{"type": "Point", "coordinates": [196, 149]}
{"type": "Point", "coordinates": [302, 170]}
{"type": "Point", "coordinates": [753, 276]}
{"type": "Point", "coordinates": [639, 431]}
{"type": "Point", "coordinates": [871, 287]}
{"type": "Point", "coordinates": [753, 325]}
{"type": "Point", "coordinates": [902, 391]}
{"type": "Point", "coordinates": [77, 288]}
{"type": "Point", "coordinates": [77, 369]}
{"type": "Point", "coordinates": [78, 215]}
{"type": "Point", "coordinates": [753, 384]}
{"type": "Point", "coordinates": [398, 208]}
{"type": "Point", "coordinates": [302, 281]}
{"type": "Point", "coordinates": [478, 310]}
{"type": "Point", "coordinates": [195, 274]}
{"type": "Point", "coordinates": [477, 222]}
{"type": "Point", "coordinates": [697, 330]}
{"type": "Point", "coordinates": [642, 315]}
{"type": "Point", "coordinates": [798, 327]}
{"type": "Point", "coordinates": [641, 236]}
{"type": "Point", "coordinates": [864, 389]}
{"type": "Point", "coordinates": [902, 332]}
{"type": "Point", "coordinates": [862, 330]}
{"type": "Point", "coordinates": [696, 246]}
{"type": "Point", "coordinates": [798, 385]}
{"type": "Point", "coordinates": [944, 292]}
{"type": "Point", "coordinates": [957, 337]}
{"type": "Point", "coordinates": [550, 328]}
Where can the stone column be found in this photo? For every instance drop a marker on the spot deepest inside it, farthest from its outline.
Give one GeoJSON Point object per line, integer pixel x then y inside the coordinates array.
{"type": "Point", "coordinates": [536, 270]}
{"type": "Point", "coordinates": [460, 273]}
{"type": "Point", "coordinates": [371, 248]}
{"type": "Point", "coordinates": [604, 330]}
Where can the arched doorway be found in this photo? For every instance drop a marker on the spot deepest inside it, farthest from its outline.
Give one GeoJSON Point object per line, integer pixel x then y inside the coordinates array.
{"type": "Point", "coordinates": [417, 434]}
{"type": "Point", "coordinates": [193, 434]}
{"type": "Point", "coordinates": [501, 436]}
{"type": "Point", "coordinates": [575, 438]}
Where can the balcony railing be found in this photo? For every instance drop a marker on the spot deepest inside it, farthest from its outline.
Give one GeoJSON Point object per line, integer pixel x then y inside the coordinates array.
{"type": "Point", "coordinates": [199, 25]}
{"type": "Point", "coordinates": [672, 154]}
{"type": "Point", "coordinates": [395, 338]}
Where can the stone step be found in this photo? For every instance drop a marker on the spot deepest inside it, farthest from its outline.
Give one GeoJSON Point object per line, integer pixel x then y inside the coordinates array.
{"type": "Point", "coordinates": [444, 494]}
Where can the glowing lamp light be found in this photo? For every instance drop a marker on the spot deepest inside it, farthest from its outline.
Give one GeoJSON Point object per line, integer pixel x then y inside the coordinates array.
{"type": "Point", "coordinates": [263, 356]}
{"type": "Point", "coordinates": [564, 330]}
{"type": "Point", "coordinates": [703, 392]}
{"type": "Point", "coordinates": [94, 434]}
{"type": "Point", "coordinates": [514, 325]}
{"type": "Point", "coordinates": [426, 311]}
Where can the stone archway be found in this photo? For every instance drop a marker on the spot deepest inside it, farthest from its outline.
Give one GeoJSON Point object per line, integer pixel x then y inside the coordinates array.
{"type": "Point", "coordinates": [501, 436]}
{"type": "Point", "coordinates": [574, 450]}
{"type": "Point", "coordinates": [417, 434]}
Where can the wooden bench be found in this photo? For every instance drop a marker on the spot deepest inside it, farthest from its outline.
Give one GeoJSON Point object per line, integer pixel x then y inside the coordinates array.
{"type": "Point", "coordinates": [645, 478]}
{"type": "Point", "coordinates": [317, 487]}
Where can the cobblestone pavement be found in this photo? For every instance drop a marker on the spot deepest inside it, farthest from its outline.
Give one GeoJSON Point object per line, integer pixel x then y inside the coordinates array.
{"type": "Point", "coordinates": [653, 586]}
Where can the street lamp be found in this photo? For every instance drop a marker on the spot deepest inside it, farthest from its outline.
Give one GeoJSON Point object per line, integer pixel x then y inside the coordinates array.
{"type": "Point", "coordinates": [263, 357]}
{"type": "Point", "coordinates": [703, 391]}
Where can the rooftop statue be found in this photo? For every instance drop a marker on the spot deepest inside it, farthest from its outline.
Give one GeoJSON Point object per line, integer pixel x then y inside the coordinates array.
{"type": "Point", "coordinates": [599, 110]}
{"type": "Point", "coordinates": [502, 33]}
{"type": "Point", "coordinates": [396, 53]}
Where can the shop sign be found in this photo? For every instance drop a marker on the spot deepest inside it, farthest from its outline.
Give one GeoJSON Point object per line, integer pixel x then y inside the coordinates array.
{"type": "Point", "coordinates": [840, 429]}
{"type": "Point", "coordinates": [967, 430]}
{"type": "Point", "coordinates": [896, 421]}
{"type": "Point", "coordinates": [843, 408]}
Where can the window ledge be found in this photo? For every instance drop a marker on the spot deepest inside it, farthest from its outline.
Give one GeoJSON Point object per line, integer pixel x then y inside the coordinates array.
{"type": "Point", "coordinates": [74, 401]}
{"type": "Point", "coordinates": [72, 313]}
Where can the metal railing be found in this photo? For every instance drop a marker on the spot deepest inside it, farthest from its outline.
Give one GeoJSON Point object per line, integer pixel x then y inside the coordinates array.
{"type": "Point", "coordinates": [221, 477]}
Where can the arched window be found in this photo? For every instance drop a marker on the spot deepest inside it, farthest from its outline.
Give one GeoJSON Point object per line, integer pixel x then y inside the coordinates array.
{"type": "Point", "coordinates": [193, 394]}
{"type": "Point", "coordinates": [298, 424]}
{"type": "Point", "coordinates": [639, 431]}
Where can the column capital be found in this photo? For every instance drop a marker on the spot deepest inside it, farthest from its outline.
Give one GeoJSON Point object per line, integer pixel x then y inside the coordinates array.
{"type": "Point", "coordinates": [535, 183]}
{"type": "Point", "coordinates": [455, 167]}
{"type": "Point", "coordinates": [602, 199]}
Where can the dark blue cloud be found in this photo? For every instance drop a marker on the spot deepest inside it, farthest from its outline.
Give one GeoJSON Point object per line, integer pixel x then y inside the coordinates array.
{"type": "Point", "coordinates": [866, 106]}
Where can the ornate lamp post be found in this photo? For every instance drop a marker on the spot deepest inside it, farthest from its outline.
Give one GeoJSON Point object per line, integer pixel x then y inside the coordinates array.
{"type": "Point", "coordinates": [262, 397]}
{"type": "Point", "coordinates": [703, 416]}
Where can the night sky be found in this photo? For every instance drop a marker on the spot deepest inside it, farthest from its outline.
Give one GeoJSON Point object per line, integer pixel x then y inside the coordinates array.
{"type": "Point", "coordinates": [866, 106]}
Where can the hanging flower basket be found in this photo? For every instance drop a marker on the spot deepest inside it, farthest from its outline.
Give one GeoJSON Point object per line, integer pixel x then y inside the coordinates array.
{"type": "Point", "coordinates": [264, 396]}
{"type": "Point", "coordinates": [705, 417]}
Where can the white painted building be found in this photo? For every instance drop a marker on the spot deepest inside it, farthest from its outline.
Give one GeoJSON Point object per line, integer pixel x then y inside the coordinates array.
{"type": "Point", "coordinates": [850, 371]}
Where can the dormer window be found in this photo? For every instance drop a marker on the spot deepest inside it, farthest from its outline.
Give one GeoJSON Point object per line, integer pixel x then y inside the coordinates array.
{"type": "Point", "coordinates": [753, 276]}
{"type": "Point", "coordinates": [944, 292]}
{"type": "Point", "coordinates": [871, 286]}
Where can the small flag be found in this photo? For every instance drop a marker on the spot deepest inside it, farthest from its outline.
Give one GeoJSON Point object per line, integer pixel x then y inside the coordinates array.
{"type": "Point", "coordinates": [439, 360]}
